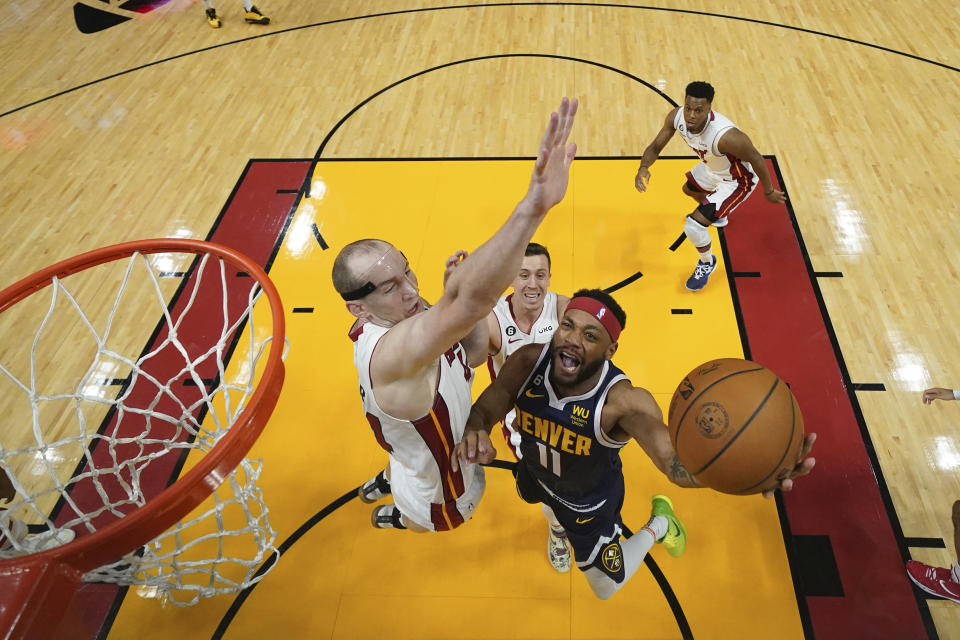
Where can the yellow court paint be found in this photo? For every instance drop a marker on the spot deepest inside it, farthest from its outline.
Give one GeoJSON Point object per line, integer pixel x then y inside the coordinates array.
{"type": "Point", "coordinates": [489, 578]}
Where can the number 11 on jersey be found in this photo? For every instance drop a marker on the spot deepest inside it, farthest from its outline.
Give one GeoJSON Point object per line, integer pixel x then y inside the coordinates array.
{"type": "Point", "coordinates": [554, 458]}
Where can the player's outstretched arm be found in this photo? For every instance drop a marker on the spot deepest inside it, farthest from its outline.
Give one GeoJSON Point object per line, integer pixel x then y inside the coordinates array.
{"type": "Point", "coordinates": [492, 405]}
{"type": "Point", "coordinates": [476, 283]}
{"type": "Point", "coordinates": [652, 152]}
{"type": "Point", "coordinates": [937, 393]}
{"type": "Point", "coordinates": [477, 341]}
{"type": "Point", "coordinates": [639, 417]}
{"type": "Point", "coordinates": [736, 143]}
{"type": "Point", "coordinates": [804, 466]}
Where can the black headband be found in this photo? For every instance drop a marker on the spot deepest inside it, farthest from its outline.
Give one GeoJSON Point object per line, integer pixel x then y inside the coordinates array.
{"type": "Point", "coordinates": [362, 292]}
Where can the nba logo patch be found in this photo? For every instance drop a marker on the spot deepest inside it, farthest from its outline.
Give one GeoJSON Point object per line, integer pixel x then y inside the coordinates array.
{"type": "Point", "coordinates": [600, 313]}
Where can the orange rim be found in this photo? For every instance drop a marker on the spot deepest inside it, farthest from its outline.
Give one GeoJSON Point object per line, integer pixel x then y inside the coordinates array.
{"type": "Point", "coordinates": [112, 541]}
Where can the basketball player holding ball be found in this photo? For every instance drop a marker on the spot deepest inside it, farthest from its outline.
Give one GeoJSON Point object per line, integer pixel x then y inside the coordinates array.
{"type": "Point", "coordinates": [576, 410]}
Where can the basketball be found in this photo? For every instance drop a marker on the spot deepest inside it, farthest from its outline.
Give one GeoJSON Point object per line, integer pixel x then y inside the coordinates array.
{"type": "Point", "coordinates": [735, 426]}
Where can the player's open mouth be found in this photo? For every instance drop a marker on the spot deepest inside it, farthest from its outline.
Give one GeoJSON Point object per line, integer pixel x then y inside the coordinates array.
{"type": "Point", "coordinates": [531, 297]}
{"type": "Point", "coordinates": [567, 362]}
{"type": "Point", "coordinates": [415, 309]}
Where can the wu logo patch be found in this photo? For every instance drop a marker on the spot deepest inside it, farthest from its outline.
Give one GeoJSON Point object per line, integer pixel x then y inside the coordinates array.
{"type": "Point", "coordinates": [580, 411]}
{"type": "Point", "coordinates": [612, 557]}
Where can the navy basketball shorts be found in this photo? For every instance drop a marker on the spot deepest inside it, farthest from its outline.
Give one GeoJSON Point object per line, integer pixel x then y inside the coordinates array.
{"type": "Point", "coordinates": [592, 522]}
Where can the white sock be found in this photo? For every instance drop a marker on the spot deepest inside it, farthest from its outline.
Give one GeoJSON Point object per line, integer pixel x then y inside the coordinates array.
{"type": "Point", "coordinates": [706, 257]}
{"type": "Point", "coordinates": [247, 4]}
{"type": "Point", "coordinates": [207, 4]}
{"type": "Point", "coordinates": [658, 525]}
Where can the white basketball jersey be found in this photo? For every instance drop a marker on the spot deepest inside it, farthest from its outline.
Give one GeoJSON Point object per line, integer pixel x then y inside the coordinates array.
{"type": "Point", "coordinates": [422, 447]}
{"type": "Point", "coordinates": [705, 142]}
{"type": "Point", "coordinates": [511, 338]}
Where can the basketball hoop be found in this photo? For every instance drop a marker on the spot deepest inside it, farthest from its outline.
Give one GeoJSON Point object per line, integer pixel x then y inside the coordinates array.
{"type": "Point", "coordinates": [96, 425]}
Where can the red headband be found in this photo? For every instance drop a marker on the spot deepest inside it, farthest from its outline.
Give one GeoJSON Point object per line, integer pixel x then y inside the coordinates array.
{"type": "Point", "coordinates": [599, 311]}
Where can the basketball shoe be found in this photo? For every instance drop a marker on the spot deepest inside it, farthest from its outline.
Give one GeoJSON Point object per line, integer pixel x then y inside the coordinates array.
{"type": "Point", "coordinates": [699, 278]}
{"type": "Point", "coordinates": [675, 539]}
{"type": "Point", "coordinates": [375, 488]}
{"type": "Point", "coordinates": [253, 16]}
{"type": "Point", "coordinates": [935, 580]}
{"type": "Point", "coordinates": [212, 18]}
{"type": "Point", "coordinates": [558, 551]}
{"type": "Point", "coordinates": [387, 517]}
{"type": "Point", "coordinates": [720, 222]}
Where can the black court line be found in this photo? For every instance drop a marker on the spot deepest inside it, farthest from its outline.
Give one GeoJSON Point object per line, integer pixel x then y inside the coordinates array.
{"type": "Point", "coordinates": [288, 191]}
{"type": "Point", "coordinates": [867, 386]}
{"type": "Point", "coordinates": [865, 436]}
{"type": "Point", "coordinates": [316, 234]}
{"type": "Point", "coordinates": [305, 187]}
{"type": "Point", "coordinates": [679, 241]}
{"type": "Point", "coordinates": [685, 632]}
{"type": "Point", "coordinates": [745, 343]}
{"type": "Point", "coordinates": [113, 382]}
{"type": "Point", "coordinates": [207, 382]}
{"type": "Point", "coordinates": [925, 543]}
{"type": "Point", "coordinates": [485, 158]}
{"type": "Point", "coordinates": [623, 283]}
{"type": "Point", "coordinates": [268, 564]}
{"type": "Point", "coordinates": [827, 274]}
{"type": "Point", "coordinates": [745, 274]}
{"type": "Point", "coordinates": [303, 309]}
{"type": "Point", "coordinates": [483, 6]}
{"type": "Point", "coordinates": [241, 597]}
{"type": "Point", "coordinates": [682, 312]}
{"type": "Point", "coordinates": [172, 274]}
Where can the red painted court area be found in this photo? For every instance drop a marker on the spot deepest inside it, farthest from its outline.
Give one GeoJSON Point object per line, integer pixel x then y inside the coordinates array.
{"type": "Point", "coordinates": [837, 513]}
{"type": "Point", "coordinates": [252, 222]}
{"type": "Point", "coordinates": [840, 505]}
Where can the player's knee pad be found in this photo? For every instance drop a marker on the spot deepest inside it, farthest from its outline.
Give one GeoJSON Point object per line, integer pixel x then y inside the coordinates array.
{"type": "Point", "coordinates": [696, 232]}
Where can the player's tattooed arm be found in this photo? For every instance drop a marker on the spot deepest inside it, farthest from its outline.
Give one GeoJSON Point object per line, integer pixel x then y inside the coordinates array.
{"type": "Point", "coordinates": [633, 413]}
{"type": "Point", "coordinates": [679, 475]}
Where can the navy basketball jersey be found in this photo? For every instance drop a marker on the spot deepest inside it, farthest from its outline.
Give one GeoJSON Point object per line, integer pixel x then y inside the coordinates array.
{"type": "Point", "coordinates": [562, 443]}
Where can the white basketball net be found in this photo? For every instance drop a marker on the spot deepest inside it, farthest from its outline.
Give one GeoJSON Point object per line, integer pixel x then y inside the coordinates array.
{"type": "Point", "coordinates": [94, 424]}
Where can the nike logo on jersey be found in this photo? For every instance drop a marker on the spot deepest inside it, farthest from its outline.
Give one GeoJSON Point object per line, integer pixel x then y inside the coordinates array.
{"type": "Point", "coordinates": [579, 521]}
{"type": "Point", "coordinates": [530, 394]}
{"type": "Point", "coordinates": [514, 340]}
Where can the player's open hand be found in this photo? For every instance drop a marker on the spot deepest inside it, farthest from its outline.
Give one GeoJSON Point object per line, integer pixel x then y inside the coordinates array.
{"type": "Point", "coordinates": [775, 196]}
{"type": "Point", "coordinates": [937, 393]}
{"type": "Point", "coordinates": [642, 179]}
{"type": "Point", "coordinates": [804, 466]}
{"type": "Point", "coordinates": [452, 263]}
{"type": "Point", "coordinates": [475, 447]}
{"type": "Point", "coordinates": [551, 173]}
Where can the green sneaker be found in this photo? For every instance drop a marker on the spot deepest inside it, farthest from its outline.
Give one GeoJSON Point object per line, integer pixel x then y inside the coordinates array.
{"type": "Point", "coordinates": [675, 540]}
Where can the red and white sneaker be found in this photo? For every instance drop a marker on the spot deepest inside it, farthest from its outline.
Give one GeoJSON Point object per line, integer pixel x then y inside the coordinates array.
{"type": "Point", "coordinates": [935, 580]}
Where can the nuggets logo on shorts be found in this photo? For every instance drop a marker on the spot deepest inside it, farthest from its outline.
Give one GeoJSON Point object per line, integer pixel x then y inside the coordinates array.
{"type": "Point", "coordinates": [612, 558]}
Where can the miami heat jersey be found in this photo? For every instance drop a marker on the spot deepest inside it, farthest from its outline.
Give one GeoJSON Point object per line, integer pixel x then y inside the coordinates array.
{"type": "Point", "coordinates": [511, 338]}
{"type": "Point", "coordinates": [424, 485]}
{"type": "Point", "coordinates": [705, 142]}
{"type": "Point", "coordinates": [562, 443]}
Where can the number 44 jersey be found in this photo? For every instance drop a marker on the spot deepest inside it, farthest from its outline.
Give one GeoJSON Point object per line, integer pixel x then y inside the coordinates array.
{"type": "Point", "coordinates": [561, 440]}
